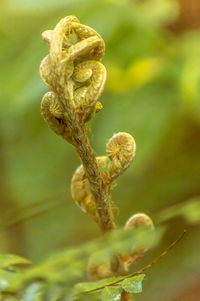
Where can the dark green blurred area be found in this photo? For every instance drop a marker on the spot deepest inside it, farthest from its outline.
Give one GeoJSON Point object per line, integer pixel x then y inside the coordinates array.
{"type": "Point", "coordinates": [152, 92]}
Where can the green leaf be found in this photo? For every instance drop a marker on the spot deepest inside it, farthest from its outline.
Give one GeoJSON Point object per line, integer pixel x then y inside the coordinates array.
{"type": "Point", "coordinates": [134, 284]}
{"type": "Point", "coordinates": [7, 260]}
{"type": "Point", "coordinates": [129, 284]}
{"type": "Point", "coordinates": [111, 293]}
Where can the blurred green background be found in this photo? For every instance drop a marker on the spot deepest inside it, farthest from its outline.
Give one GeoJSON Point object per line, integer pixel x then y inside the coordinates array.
{"type": "Point", "coordinates": [152, 92]}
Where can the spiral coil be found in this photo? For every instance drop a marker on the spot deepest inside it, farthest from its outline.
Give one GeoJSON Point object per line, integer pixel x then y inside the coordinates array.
{"type": "Point", "coordinates": [120, 152]}
{"type": "Point", "coordinates": [76, 78]}
{"type": "Point", "coordinates": [73, 73]}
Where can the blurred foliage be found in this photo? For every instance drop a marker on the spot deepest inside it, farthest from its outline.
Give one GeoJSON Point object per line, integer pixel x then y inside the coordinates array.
{"type": "Point", "coordinates": [152, 92]}
{"type": "Point", "coordinates": [53, 278]}
{"type": "Point", "coordinates": [190, 210]}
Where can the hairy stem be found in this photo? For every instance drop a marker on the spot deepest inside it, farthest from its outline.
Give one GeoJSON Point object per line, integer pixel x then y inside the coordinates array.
{"type": "Point", "coordinates": [98, 190]}
{"type": "Point", "coordinates": [88, 159]}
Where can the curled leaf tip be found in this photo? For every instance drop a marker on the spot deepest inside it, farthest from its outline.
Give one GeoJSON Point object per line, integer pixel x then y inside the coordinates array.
{"type": "Point", "coordinates": [47, 36]}
{"type": "Point", "coordinates": [72, 70]}
{"type": "Point", "coordinates": [139, 220]}
{"type": "Point", "coordinates": [121, 150]}
{"type": "Point", "coordinates": [81, 192]}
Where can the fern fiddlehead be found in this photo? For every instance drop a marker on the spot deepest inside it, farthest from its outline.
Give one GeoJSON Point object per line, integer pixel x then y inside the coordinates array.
{"type": "Point", "coordinates": [120, 153]}
{"type": "Point", "coordinates": [76, 78]}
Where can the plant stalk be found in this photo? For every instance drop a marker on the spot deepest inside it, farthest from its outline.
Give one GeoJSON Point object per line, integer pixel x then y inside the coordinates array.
{"type": "Point", "coordinates": [88, 159]}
